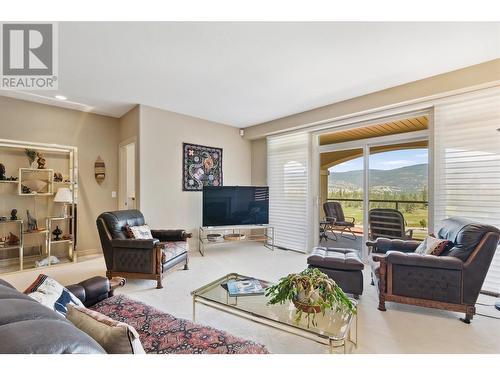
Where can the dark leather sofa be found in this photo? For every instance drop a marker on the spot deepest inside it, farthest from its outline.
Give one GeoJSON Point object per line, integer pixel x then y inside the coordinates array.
{"type": "Point", "coordinates": [135, 258]}
{"type": "Point", "coordinates": [27, 327]}
{"type": "Point", "coordinates": [451, 281]}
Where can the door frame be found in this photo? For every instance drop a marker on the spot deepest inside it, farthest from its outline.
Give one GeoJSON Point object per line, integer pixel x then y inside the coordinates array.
{"type": "Point", "coordinates": [122, 174]}
{"type": "Point", "coordinates": [365, 145]}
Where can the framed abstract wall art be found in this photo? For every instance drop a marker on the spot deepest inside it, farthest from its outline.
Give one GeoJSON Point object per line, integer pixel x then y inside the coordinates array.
{"type": "Point", "coordinates": [202, 166]}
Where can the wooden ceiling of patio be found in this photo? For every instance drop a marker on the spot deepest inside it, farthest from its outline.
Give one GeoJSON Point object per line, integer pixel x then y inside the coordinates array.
{"type": "Point", "coordinates": [375, 130]}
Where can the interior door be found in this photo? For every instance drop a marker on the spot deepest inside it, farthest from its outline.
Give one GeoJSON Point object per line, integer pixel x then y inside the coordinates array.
{"type": "Point", "coordinates": [127, 199]}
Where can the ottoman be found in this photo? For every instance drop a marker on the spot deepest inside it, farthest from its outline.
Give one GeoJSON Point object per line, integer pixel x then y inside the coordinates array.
{"type": "Point", "coordinates": [342, 265]}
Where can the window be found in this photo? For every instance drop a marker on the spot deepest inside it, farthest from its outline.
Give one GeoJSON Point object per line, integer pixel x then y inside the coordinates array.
{"type": "Point", "coordinates": [293, 177]}
{"type": "Point", "coordinates": [288, 179]}
{"type": "Point", "coordinates": [467, 164]}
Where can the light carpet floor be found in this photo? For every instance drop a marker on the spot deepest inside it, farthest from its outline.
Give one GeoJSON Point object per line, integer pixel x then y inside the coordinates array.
{"type": "Point", "coordinates": [401, 329]}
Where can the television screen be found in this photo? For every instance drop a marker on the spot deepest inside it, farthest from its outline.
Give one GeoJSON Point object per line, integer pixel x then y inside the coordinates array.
{"type": "Point", "coordinates": [235, 205]}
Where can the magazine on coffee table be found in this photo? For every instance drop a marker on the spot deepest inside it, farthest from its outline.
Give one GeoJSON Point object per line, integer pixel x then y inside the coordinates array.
{"type": "Point", "coordinates": [245, 287]}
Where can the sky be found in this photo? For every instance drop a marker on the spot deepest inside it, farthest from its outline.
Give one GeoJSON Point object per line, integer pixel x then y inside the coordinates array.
{"type": "Point", "coordinates": [386, 160]}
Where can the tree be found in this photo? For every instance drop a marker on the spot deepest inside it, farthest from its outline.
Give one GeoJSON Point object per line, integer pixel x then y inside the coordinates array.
{"type": "Point", "coordinates": [424, 193]}
{"type": "Point", "coordinates": [423, 223]}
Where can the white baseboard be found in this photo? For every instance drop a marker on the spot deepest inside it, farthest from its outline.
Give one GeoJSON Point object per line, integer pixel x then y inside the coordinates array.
{"type": "Point", "coordinates": [87, 252]}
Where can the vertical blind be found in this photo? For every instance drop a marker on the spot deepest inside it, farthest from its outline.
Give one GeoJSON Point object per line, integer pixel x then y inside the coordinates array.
{"type": "Point", "coordinates": [467, 164]}
{"type": "Point", "coordinates": [288, 180]}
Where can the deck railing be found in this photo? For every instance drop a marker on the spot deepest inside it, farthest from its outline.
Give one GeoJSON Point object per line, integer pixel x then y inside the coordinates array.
{"type": "Point", "coordinates": [419, 230]}
{"type": "Point", "coordinates": [395, 201]}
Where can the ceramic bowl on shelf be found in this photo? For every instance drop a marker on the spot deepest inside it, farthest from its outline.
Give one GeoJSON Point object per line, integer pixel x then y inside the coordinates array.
{"type": "Point", "coordinates": [234, 237]}
{"type": "Point", "coordinates": [214, 237]}
{"type": "Point", "coordinates": [35, 186]}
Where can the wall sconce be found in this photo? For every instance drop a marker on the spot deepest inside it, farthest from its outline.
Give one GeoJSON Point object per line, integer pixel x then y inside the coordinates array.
{"type": "Point", "coordinates": [100, 170]}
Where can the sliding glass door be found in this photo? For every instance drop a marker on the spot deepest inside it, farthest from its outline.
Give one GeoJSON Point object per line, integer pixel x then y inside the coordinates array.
{"type": "Point", "coordinates": [342, 197]}
{"type": "Point", "coordinates": [398, 190]}
{"type": "Point", "coordinates": [380, 184]}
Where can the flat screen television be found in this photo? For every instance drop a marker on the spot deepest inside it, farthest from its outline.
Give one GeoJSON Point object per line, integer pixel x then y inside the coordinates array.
{"type": "Point", "coordinates": [235, 205]}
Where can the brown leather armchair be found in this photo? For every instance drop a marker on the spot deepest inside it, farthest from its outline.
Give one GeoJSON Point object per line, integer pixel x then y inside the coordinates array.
{"type": "Point", "coordinates": [140, 259]}
{"type": "Point", "coordinates": [451, 281]}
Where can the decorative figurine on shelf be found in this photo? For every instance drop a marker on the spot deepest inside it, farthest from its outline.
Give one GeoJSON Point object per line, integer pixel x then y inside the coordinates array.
{"type": "Point", "coordinates": [13, 239]}
{"type": "Point", "coordinates": [67, 237]}
{"type": "Point", "coordinates": [31, 155]}
{"type": "Point", "coordinates": [58, 177]}
{"type": "Point", "coordinates": [2, 172]}
{"type": "Point", "coordinates": [57, 232]}
{"type": "Point", "coordinates": [32, 224]}
{"type": "Point", "coordinates": [40, 161]}
{"type": "Point", "coordinates": [45, 261]}
{"type": "Point", "coordinates": [13, 214]}
{"type": "Point", "coordinates": [25, 189]}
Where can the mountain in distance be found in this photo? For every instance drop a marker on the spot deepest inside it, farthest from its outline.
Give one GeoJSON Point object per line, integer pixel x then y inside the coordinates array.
{"type": "Point", "coordinates": [409, 179]}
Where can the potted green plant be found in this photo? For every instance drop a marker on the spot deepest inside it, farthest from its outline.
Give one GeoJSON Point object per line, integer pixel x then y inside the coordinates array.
{"type": "Point", "coordinates": [312, 292]}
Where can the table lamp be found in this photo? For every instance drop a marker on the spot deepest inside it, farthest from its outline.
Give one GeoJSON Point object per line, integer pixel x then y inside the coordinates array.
{"type": "Point", "coordinates": [64, 196]}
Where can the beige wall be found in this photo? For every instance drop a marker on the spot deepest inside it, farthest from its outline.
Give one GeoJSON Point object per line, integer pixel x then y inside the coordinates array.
{"type": "Point", "coordinates": [458, 79]}
{"type": "Point", "coordinates": [129, 124]}
{"type": "Point", "coordinates": [94, 135]}
{"type": "Point", "coordinates": [129, 129]}
{"type": "Point", "coordinates": [162, 133]}
{"type": "Point", "coordinates": [259, 162]}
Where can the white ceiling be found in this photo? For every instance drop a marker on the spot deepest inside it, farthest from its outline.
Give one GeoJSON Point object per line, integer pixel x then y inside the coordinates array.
{"type": "Point", "coordinates": [243, 74]}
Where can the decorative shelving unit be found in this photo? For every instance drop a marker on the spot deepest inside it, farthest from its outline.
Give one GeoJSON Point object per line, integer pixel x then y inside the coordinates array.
{"type": "Point", "coordinates": [36, 246]}
{"type": "Point", "coordinates": [69, 253]}
{"type": "Point", "coordinates": [40, 236]}
{"type": "Point", "coordinates": [19, 246]}
{"type": "Point", "coordinates": [38, 175]}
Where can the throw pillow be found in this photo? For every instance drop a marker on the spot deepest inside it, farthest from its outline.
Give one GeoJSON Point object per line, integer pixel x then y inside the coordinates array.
{"type": "Point", "coordinates": [128, 231]}
{"type": "Point", "coordinates": [50, 293]}
{"type": "Point", "coordinates": [432, 246]}
{"type": "Point", "coordinates": [140, 232]}
{"type": "Point", "coordinates": [115, 337]}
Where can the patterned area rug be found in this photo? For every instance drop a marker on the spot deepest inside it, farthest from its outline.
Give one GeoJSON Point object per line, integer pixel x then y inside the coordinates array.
{"type": "Point", "coordinates": [162, 333]}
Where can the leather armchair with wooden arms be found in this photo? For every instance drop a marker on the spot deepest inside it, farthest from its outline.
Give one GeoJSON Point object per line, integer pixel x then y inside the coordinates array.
{"type": "Point", "coordinates": [139, 258]}
{"type": "Point", "coordinates": [451, 281]}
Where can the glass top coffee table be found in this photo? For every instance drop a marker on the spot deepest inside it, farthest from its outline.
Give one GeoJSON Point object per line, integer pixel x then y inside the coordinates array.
{"type": "Point", "coordinates": [332, 329]}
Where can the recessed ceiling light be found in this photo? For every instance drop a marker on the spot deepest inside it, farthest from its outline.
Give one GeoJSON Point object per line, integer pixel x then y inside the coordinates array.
{"type": "Point", "coordinates": [60, 97]}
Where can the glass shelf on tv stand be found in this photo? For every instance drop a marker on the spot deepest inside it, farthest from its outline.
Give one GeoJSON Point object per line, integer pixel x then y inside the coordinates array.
{"type": "Point", "coordinates": [266, 237]}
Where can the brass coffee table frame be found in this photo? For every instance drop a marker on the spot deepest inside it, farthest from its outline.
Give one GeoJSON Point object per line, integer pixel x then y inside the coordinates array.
{"type": "Point", "coordinates": [333, 342]}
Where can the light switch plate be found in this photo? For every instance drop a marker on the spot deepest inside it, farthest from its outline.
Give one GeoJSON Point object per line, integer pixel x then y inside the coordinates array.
{"type": "Point", "coordinates": [113, 194]}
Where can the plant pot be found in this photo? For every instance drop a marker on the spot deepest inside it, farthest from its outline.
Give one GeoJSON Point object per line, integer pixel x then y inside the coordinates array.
{"type": "Point", "coordinates": [305, 307]}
